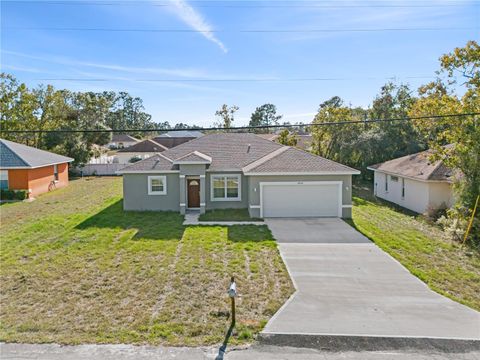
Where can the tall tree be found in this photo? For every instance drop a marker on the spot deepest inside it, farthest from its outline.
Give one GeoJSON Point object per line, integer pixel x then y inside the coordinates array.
{"type": "Point", "coordinates": [462, 133]}
{"type": "Point", "coordinates": [226, 115]}
{"type": "Point", "coordinates": [264, 115]}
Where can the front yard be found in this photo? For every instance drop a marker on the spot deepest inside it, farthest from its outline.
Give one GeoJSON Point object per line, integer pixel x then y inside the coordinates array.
{"type": "Point", "coordinates": [75, 268]}
{"type": "Point", "coordinates": [445, 266]}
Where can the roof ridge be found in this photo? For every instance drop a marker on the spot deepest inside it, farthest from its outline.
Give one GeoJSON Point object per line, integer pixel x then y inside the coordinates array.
{"type": "Point", "coordinates": [156, 143]}
{"type": "Point", "coordinates": [265, 158]}
{"type": "Point", "coordinates": [13, 151]}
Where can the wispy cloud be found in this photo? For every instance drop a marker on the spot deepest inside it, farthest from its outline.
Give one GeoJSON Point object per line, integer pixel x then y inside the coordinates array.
{"type": "Point", "coordinates": [180, 72]}
{"type": "Point", "coordinates": [195, 20]}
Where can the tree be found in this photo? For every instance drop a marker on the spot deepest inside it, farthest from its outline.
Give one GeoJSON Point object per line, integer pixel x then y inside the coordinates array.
{"type": "Point", "coordinates": [462, 133]}
{"type": "Point", "coordinates": [264, 115]}
{"type": "Point", "coordinates": [226, 115]}
{"type": "Point", "coordinates": [285, 138]}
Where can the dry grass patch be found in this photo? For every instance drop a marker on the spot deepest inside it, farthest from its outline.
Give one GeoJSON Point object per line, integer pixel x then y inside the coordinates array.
{"type": "Point", "coordinates": [76, 268]}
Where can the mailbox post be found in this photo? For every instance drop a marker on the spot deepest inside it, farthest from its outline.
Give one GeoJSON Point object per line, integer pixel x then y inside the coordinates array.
{"type": "Point", "coordinates": [232, 293]}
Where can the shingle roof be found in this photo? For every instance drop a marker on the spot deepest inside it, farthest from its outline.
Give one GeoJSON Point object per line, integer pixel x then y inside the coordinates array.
{"type": "Point", "coordinates": [123, 138]}
{"type": "Point", "coordinates": [14, 155]}
{"type": "Point", "coordinates": [243, 151]}
{"type": "Point", "coordinates": [294, 160]}
{"type": "Point", "coordinates": [144, 146]}
{"type": "Point", "coordinates": [170, 142]}
{"type": "Point", "coordinates": [153, 163]}
{"type": "Point", "coordinates": [416, 166]}
{"type": "Point", "coordinates": [195, 156]}
{"type": "Point", "coordinates": [182, 133]}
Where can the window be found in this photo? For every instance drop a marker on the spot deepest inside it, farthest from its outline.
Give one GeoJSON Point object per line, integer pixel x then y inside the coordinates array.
{"type": "Point", "coordinates": [225, 188]}
{"type": "Point", "coordinates": [3, 179]}
{"type": "Point", "coordinates": [386, 183]}
{"type": "Point", "coordinates": [55, 172]}
{"type": "Point", "coordinates": [403, 188]}
{"type": "Point", "coordinates": [157, 185]}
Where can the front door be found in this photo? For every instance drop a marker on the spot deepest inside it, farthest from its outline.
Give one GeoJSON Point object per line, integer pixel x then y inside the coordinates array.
{"type": "Point", "coordinates": [193, 191]}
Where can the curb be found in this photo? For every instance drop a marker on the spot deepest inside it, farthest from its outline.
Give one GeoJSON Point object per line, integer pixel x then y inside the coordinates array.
{"type": "Point", "coordinates": [336, 343]}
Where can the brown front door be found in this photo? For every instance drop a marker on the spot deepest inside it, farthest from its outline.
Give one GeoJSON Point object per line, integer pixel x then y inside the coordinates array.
{"type": "Point", "coordinates": [193, 193]}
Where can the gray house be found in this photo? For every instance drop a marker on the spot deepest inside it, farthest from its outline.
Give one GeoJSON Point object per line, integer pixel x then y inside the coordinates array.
{"type": "Point", "coordinates": [220, 171]}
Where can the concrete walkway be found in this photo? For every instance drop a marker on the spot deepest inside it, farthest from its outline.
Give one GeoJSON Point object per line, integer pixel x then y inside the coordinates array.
{"type": "Point", "coordinates": [191, 218]}
{"type": "Point", "coordinates": [130, 352]}
{"type": "Point", "coordinates": [346, 285]}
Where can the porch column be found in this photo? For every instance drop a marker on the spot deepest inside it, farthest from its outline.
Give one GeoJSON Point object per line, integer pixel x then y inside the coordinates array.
{"type": "Point", "coordinates": [183, 196]}
{"type": "Point", "coordinates": [202, 194]}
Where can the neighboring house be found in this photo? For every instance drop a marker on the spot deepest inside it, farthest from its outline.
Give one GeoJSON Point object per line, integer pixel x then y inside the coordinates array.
{"type": "Point", "coordinates": [142, 150]}
{"type": "Point", "coordinates": [232, 170]}
{"type": "Point", "coordinates": [120, 141]}
{"type": "Point", "coordinates": [182, 133]}
{"type": "Point", "coordinates": [171, 142]}
{"type": "Point", "coordinates": [27, 168]}
{"type": "Point", "coordinates": [414, 182]}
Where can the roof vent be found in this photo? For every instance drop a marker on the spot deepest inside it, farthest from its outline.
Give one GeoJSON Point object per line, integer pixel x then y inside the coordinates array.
{"type": "Point", "coordinates": [248, 148]}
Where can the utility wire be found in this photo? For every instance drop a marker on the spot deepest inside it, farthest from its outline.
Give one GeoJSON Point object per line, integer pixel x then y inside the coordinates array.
{"type": "Point", "coordinates": [139, 30]}
{"type": "Point", "coordinates": [343, 122]}
{"type": "Point", "coordinates": [237, 4]}
{"type": "Point", "coordinates": [236, 79]}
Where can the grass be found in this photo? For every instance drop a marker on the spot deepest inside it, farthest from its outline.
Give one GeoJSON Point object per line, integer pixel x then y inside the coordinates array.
{"type": "Point", "coordinates": [444, 265]}
{"type": "Point", "coordinates": [75, 268]}
{"type": "Point", "coordinates": [227, 215]}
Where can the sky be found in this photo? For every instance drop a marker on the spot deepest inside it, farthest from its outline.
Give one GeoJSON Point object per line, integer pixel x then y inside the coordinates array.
{"type": "Point", "coordinates": [187, 58]}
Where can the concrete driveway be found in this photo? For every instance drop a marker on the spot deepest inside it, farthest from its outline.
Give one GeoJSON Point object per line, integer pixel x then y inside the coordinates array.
{"type": "Point", "coordinates": [346, 285]}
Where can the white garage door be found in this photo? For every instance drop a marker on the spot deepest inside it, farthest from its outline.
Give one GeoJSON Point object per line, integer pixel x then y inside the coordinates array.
{"type": "Point", "coordinates": [301, 199]}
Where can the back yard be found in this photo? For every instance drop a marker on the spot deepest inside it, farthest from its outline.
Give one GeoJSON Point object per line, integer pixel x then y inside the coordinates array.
{"type": "Point", "coordinates": [77, 269]}
{"type": "Point", "coordinates": [444, 265]}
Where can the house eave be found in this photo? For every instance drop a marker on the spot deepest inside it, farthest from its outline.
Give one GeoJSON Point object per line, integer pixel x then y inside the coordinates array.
{"type": "Point", "coordinates": [354, 172]}
{"type": "Point", "coordinates": [34, 167]}
{"type": "Point", "coordinates": [410, 177]}
{"type": "Point", "coordinates": [121, 172]}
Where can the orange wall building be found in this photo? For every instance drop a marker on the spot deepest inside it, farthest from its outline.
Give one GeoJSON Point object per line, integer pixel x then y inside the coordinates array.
{"type": "Point", "coordinates": [26, 168]}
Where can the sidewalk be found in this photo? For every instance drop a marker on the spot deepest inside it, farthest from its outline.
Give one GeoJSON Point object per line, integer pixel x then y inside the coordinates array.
{"type": "Point", "coordinates": [191, 218]}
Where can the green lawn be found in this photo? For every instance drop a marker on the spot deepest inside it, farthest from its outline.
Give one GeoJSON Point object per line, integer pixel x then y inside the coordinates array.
{"type": "Point", "coordinates": [227, 215]}
{"type": "Point", "coordinates": [75, 268]}
{"type": "Point", "coordinates": [445, 266]}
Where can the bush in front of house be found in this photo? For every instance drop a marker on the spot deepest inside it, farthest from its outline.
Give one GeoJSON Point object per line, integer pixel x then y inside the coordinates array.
{"type": "Point", "coordinates": [13, 194]}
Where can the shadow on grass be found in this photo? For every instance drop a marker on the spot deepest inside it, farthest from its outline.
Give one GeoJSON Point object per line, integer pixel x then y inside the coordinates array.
{"type": "Point", "coordinates": [223, 348]}
{"type": "Point", "coordinates": [249, 233]}
{"type": "Point", "coordinates": [151, 225]}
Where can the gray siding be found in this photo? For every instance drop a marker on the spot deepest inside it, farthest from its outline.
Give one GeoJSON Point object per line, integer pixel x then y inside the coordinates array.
{"type": "Point", "coordinates": [254, 188]}
{"type": "Point", "coordinates": [243, 204]}
{"type": "Point", "coordinates": [135, 193]}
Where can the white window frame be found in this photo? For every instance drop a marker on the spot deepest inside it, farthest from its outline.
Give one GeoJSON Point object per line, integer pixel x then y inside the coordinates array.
{"type": "Point", "coordinates": [161, 177]}
{"type": "Point", "coordinates": [224, 176]}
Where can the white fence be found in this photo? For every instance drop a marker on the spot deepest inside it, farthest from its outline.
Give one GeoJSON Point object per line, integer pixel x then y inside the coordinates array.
{"type": "Point", "coordinates": [100, 169]}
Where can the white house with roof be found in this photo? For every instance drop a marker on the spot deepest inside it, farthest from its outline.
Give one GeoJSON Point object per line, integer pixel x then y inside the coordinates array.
{"type": "Point", "coordinates": [414, 182]}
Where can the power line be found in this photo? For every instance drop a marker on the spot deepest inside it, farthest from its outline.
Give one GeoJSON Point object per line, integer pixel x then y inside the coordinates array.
{"type": "Point", "coordinates": [343, 122]}
{"type": "Point", "coordinates": [313, 79]}
{"type": "Point", "coordinates": [245, 31]}
{"type": "Point", "coordinates": [237, 4]}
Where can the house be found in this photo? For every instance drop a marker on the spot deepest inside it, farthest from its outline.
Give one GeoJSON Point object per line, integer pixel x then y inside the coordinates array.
{"type": "Point", "coordinates": [27, 168]}
{"type": "Point", "coordinates": [182, 133]}
{"type": "Point", "coordinates": [120, 141]}
{"type": "Point", "coordinates": [140, 150]}
{"type": "Point", "coordinates": [170, 142]}
{"type": "Point", "coordinates": [414, 182]}
{"type": "Point", "coordinates": [235, 170]}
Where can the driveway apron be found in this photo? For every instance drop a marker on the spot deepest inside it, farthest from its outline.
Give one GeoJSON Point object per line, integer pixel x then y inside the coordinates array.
{"type": "Point", "coordinates": [346, 285]}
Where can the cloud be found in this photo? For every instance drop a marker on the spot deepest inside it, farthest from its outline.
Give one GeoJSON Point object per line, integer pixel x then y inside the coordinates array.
{"type": "Point", "coordinates": [180, 72]}
{"type": "Point", "coordinates": [195, 20]}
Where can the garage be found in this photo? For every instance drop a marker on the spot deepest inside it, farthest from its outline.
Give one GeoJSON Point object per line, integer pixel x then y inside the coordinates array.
{"type": "Point", "coordinates": [301, 199]}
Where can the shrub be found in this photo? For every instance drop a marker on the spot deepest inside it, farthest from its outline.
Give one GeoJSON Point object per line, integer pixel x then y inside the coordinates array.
{"type": "Point", "coordinates": [455, 223]}
{"type": "Point", "coordinates": [13, 194]}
